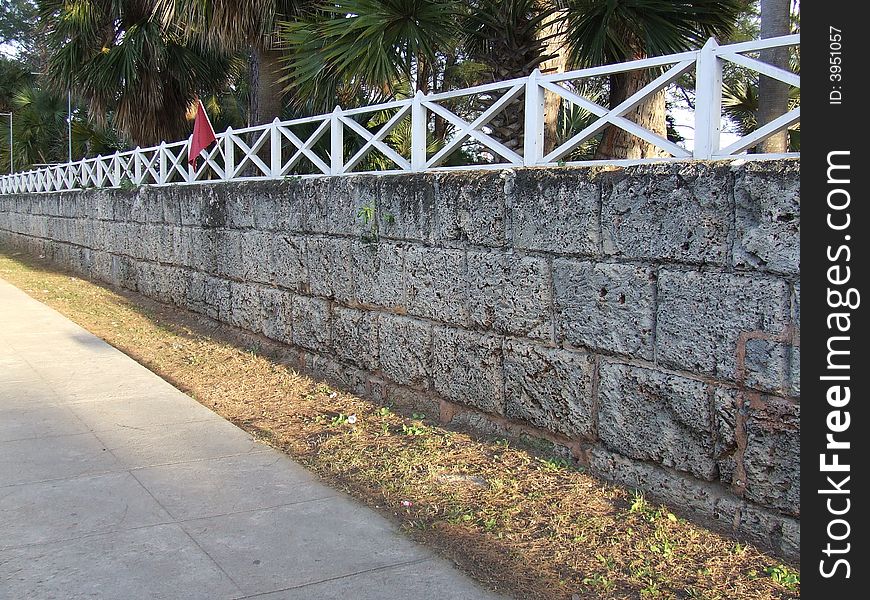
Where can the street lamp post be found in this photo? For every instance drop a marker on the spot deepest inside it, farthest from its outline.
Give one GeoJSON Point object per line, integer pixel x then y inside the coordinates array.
{"type": "Point", "coordinates": [9, 114]}
{"type": "Point", "coordinates": [69, 122]}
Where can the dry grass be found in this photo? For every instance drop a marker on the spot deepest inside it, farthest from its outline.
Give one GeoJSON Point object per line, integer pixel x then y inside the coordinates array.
{"type": "Point", "coordinates": [519, 523]}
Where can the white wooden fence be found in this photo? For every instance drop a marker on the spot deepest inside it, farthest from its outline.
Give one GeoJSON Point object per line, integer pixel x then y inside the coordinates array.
{"type": "Point", "coordinates": [315, 145]}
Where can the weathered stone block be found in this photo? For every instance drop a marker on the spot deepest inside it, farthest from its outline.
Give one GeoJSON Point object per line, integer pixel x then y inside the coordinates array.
{"type": "Point", "coordinates": [550, 388]}
{"type": "Point", "coordinates": [170, 284]}
{"type": "Point", "coordinates": [794, 379]}
{"type": "Point", "coordinates": [435, 285]}
{"type": "Point", "coordinates": [153, 205]}
{"type": "Point", "coordinates": [378, 274]}
{"type": "Point", "coordinates": [655, 416]}
{"type": "Point", "coordinates": [195, 299]}
{"type": "Point", "coordinates": [84, 233]}
{"type": "Point", "coordinates": [794, 372]}
{"type": "Point", "coordinates": [468, 368]}
{"type": "Point", "coordinates": [187, 247]}
{"type": "Point", "coordinates": [767, 364]}
{"type": "Point", "coordinates": [227, 244]}
{"type": "Point", "coordinates": [767, 196]}
{"type": "Point", "coordinates": [470, 206]}
{"type": "Point", "coordinates": [680, 212]}
{"type": "Point", "coordinates": [556, 211]}
{"type": "Point", "coordinates": [84, 205]}
{"type": "Point", "coordinates": [510, 293]}
{"type": "Point", "coordinates": [279, 206]}
{"type": "Point", "coordinates": [123, 272]}
{"type": "Point", "coordinates": [769, 529]}
{"type": "Point", "coordinates": [772, 455]}
{"type": "Point", "coordinates": [333, 204]}
{"type": "Point", "coordinates": [131, 239]}
{"type": "Point", "coordinates": [247, 310]}
{"type": "Point", "coordinates": [102, 266]}
{"type": "Point", "coordinates": [170, 201]}
{"type": "Point", "coordinates": [406, 207]}
{"type": "Point", "coordinates": [347, 378]}
{"type": "Point", "coordinates": [701, 316]}
{"type": "Point", "coordinates": [203, 248]}
{"type": "Point", "coordinates": [606, 307]}
{"type": "Point", "coordinates": [217, 298]}
{"type": "Point", "coordinates": [213, 207]}
{"type": "Point", "coordinates": [103, 206]}
{"type": "Point", "coordinates": [277, 313]}
{"type": "Point", "coordinates": [703, 499]}
{"type": "Point", "coordinates": [312, 328]}
{"type": "Point", "coordinates": [239, 204]}
{"type": "Point", "coordinates": [170, 246]}
{"type": "Point", "coordinates": [405, 350]}
{"type": "Point", "coordinates": [330, 267]}
{"type": "Point", "coordinates": [288, 262]}
{"type": "Point", "coordinates": [256, 254]}
{"type": "Point", "coordinates": [138, 208]}
{"type": "Point", "coordinates": [355, 336]}
{"type": "Point", "coordinates": [726, 408]}
{"type": "Point", "coordinates": [190, 208]}
{"type": "Point", "coordinates": [149, 240]}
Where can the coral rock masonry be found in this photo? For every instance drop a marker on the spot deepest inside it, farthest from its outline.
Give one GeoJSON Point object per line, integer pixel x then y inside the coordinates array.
{"type": "Point", "coordinates": [645, 318]}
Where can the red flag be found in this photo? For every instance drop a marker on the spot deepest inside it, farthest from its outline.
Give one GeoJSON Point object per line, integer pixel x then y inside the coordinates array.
{"type": "Point", "coordinates": [203, 134]}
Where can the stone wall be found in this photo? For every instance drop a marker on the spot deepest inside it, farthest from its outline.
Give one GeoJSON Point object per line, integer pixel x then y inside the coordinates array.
{"type": "Point", "coordinates": [645, 319]}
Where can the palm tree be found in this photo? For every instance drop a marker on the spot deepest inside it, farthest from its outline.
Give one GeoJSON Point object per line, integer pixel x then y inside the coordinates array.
{"type": "Point", "coordinates": [40, 130]}
{"type": "Point", "coordinates": [773, 95]}
{"type": "Point", "coordinates": [345, 46]}
{"type": "Point", "coordinates": [611, 31]}
{"type": "Point", "coordinates": [128, 65]}
{"type": "Point", "coordinates": [242, 26]}
{"type": "Point", "coordinates": [510, 38]}
{"type": "Point", "coordinates": [381, 46]}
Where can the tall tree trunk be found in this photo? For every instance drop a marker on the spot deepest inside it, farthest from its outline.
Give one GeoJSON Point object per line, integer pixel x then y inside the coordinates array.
{"type": "Point", "coordinates": [618, 143]}
{"type": "Point", "coordinates": [266, 97]}
{"type": "Point", "coordinates": [557, 64]}
{"type": "Point", "coordinates": [773, 94]}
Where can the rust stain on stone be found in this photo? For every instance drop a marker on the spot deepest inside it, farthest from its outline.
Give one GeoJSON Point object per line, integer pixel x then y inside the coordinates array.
{"type": "Point", "coordinates": [749, 398]}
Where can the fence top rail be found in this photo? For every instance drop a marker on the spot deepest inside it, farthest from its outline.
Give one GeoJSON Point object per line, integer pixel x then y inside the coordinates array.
{"type": "Point", "coordinates": [148, 170]}
{"type": "Point", "coordinates": [773, 42]}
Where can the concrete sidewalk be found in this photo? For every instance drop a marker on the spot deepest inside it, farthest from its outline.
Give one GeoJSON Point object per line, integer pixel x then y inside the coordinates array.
{"type": "Point", "coordinates": [115, 485]}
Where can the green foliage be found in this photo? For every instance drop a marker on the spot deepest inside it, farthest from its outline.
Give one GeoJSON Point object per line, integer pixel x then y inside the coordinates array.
{"type": "Point", "coordinates": [130, 65]}
{"type": "Point", "coordinates": [507, 35]}
{"type": "Point", "coordinates": [610, 31]}
{"type": "Point", "coordinates": [127, 184]}
{"type": "Point", "coordinates": [14, 75]}
{"type": "Point", "coordinates": [784, 576]}
{"type": "Point", "coordinates": [346, 46]}
{"type": "Point", "coordinates": [18, 29]}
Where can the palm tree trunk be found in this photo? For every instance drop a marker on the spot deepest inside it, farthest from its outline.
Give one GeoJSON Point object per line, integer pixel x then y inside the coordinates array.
{"type": "Point", "coordinates": [773, 94]}
{"type": "Point", "coordinates": [557, 64]}
{"type": "Point", "coordinates": [617, 143]}
{"type": "Point", "coordinates": [266, 98]}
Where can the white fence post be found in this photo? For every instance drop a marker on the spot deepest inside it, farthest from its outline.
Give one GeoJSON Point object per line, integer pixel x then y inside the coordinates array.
{"type": "Point", "coordinates": [336, 145]}
{"type": "Point", "coordinates": [275, 149]}
{"type": "Point", "coordinates": [708, 101]}
{"type": "Point", "coordinates": [229, 155]}
{"type": "Point", "coordinates": [533, 128]}
{"type": "Point", "coordinates": [162, 153]}
{"type": "Point", "coordinates": [137, 165]}
{"type": "Point", "coordinates": [418, 133]}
